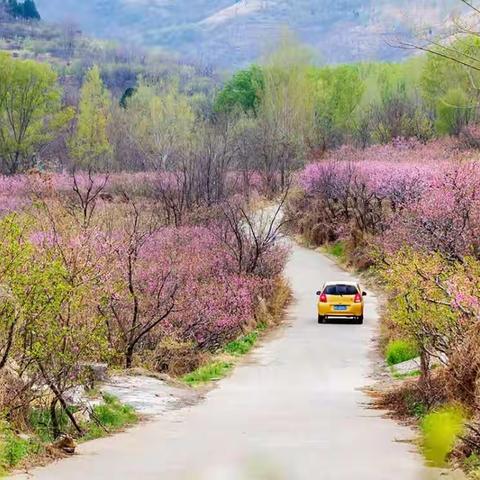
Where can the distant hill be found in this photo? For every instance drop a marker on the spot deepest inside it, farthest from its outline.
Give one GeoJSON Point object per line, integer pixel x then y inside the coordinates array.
{"type": "Point", "coordinates": [230, 33]}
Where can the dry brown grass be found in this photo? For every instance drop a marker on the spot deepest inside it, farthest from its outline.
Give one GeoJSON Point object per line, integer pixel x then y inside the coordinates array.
{"type": "Point", "coordinates": [177, 358]}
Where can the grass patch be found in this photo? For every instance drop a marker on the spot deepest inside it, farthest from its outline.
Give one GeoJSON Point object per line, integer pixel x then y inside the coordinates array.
{"type": "Point", "coordinates": [242, 345]}
{"type": "Point", "coordinates": [41, 423]}
{"type": "Point", "coordinates": [107, 418]}
{"type": "Point", "coordinates": [440, 430]}
{"type": "Point", "coordinates": [399, 351]}
{"type": "Point", "coordinates": [13, 449]}
{"type": "Point", "coordinates": [402, 376]}
{"type": "Point", "coordinates": [213, 371]}
{"type": "Point", "coordinates": [472, 465]}
{"type": "Point", "coordinates": [338, 250]}
{"type": "Point", "coordinates": [110, 416]}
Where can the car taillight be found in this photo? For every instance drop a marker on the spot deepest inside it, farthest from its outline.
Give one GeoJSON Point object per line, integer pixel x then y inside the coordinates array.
{"type": "Point", "coordinates": [323, 298]}
{"type": "Point", "coordinates": [358, 298]}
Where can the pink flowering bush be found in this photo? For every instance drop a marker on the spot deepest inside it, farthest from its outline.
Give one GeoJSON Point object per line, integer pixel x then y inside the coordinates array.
{"type": "Point", "coordinates": [395, 194]}
{"type": "Point", "coordinates": [413, 212]}
{"type": "Point", "coordinates": [13, 194]}
{"type": "Point", "coordinates": [181, 283]}
{"type": "Point", "coordinates": [154, 261]}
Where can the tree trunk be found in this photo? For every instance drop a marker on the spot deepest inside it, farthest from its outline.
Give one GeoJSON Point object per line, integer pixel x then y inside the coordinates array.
{"type": "Point", "coordinates": [54, 418]}
{"type": "Point", "coordinates": [425, 380]}
{"type": "Point", "coordinates": [129, 356]}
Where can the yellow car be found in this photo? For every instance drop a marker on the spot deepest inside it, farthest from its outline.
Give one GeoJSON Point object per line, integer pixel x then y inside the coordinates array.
{"type": "Point", "coordinates": [341, 300]}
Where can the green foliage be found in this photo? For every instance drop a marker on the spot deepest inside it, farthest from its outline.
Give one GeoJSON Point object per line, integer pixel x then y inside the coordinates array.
{"type": "Point", "coordinates": [449, 87]}
{"type": "Point", "coordinates": [13, 449]}
{"type": "Point", "coordinates": [439, 74]}
{"type": "Point", "coordinates": [208, 373]}
{"type": "Point", "coordinates": [337, 94]}
{"type": "Point", "coordinates": [415, 407]}
{"type": "Point", "coordinates": [243, 91]}
{"type": "Point", "coordinates": [90, 146]}
{"type": "Point", "coordinates": [242, 345]}
{"type": "Point", "coordinates": [440, 430]}
{"type": "Point", "coordinates": [399, 351]}
{"type": "Point", "coordinates": [338, 250]}
{"type": "Point", "coordinates": [418, 307]}
{"type": "Point", "coordinates": [23, 292]}
{"type": "Point", "coordinates": [40, 422]}
{"type": "Point", "coordinates": [472, 465]}
{"type": "Point", "coordinates": [392, 105]}
{"type": "Point", "coordinates": [110, 416]}
{"type": "Point", "coordinates": [162, 120]}
{"type": "Point", "coordinates": [127, 94]}
{"type": "Point", "coordinates": [454, 111]}
{"type": "Point", "coordinates": [30, 111]}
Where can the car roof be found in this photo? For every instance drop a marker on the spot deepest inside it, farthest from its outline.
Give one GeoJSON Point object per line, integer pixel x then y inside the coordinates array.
{"type": "Point", "coordinates": [341, 282]}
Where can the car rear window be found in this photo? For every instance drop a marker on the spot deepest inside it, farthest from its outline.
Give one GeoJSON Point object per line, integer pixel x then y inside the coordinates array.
{"type": "Point", "coordinates": [340, 289]}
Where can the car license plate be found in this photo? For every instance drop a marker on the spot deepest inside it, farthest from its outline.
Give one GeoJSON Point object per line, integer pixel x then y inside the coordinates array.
{"type": "Point", "coordinates": [340, 308]}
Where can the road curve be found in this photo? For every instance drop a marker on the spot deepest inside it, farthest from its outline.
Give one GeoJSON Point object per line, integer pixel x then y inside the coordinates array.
{"type": "Point", "coordinates": [293, 410]}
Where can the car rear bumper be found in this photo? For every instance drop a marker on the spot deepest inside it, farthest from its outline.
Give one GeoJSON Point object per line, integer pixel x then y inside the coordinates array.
{"type": "Point", "coordinates": [352, 311]}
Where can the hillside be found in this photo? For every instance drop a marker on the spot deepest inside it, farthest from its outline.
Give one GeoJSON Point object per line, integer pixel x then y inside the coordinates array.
{"type": "Point", "coordinates": [231, 33]}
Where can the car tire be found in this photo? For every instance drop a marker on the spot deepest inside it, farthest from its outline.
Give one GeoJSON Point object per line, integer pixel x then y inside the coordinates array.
{"type": "Point", "coordinates": [360, 320]}
{"type": "Point", "coordinates": [321, 319]}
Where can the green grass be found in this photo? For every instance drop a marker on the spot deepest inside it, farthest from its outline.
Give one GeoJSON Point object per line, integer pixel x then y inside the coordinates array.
{"type": "Point", "coordinates": [472, 465]}
{"type": "Point", "coordinates": [401, 376]}
{"type": "Point", "coordinates": [14, 449]}
{"type": "Point", "coordinates": [337, 249]}
{"type": "Point", "coordinates": [399, 351]}
{"type": "Point", "coordinates": [41, 423]}
{"type": "Point", "coordinates": [213, 371]}
{"type": "Point", "coordinates": [440, 430]}
{"type": "Point", "coordinates": [110, 417]}
{"type": "Point", "coordinates": [242, 345]}
{"type": "Point", "coordinates": [217, 369]}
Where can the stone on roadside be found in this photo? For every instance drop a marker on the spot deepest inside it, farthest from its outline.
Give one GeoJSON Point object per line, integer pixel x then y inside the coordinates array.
{"type": "Point", "coordinates": [65, 444]}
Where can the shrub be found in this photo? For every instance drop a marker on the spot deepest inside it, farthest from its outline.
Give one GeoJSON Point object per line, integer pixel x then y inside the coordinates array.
{"type": "Point", "coordinates": [13, 449]}
{"type": "Point", "coordinates": [440, 430]}
{"type": "Point", "coordinates": [41, 423]}
{"type": "Point", "coordinates": [176, 357]}
{"type": "Point", "coordinates": [399, 351]}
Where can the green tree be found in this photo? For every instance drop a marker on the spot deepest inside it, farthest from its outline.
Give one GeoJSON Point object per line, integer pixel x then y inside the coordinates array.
{"type": "Point", "coordinates": [449, 87]}
{"type": "Point", "coordinates": [162, 122]}
{"type": "Point", "coordinates": [285, 120]}
{"type": "Point", "coordinates": [16, 290]}
{"type": "Point", "coordinates": [337, 94]}
{"type": "Point", "coordinates": [30, 111]}
{"type": "Point", "coordinates": [243, 90]}
{"type": "Point", "coordinates": [27, 9]}
{"type": "Point", "coordinates": [454, 111]}
{"type": "Point", "coordinates": [392, 105]}
{"type": "Point", "coordinates": [441, 74]}
{"type": "Point", "coordinates": [90, 146]}
{"type": "Point", "coordinates": [30, 10]}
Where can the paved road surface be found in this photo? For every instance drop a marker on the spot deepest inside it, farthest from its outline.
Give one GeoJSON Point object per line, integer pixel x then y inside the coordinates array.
{"type": "Point", "coordinates": [293, 411]}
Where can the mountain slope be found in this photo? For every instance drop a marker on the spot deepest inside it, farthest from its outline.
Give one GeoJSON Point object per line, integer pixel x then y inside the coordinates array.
{"type": "Point", "coordinates": [230, 33]}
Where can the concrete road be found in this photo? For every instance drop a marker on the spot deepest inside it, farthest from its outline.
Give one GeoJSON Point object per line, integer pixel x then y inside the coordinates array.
{"type": "Point", "coordinates": [293, 411]}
